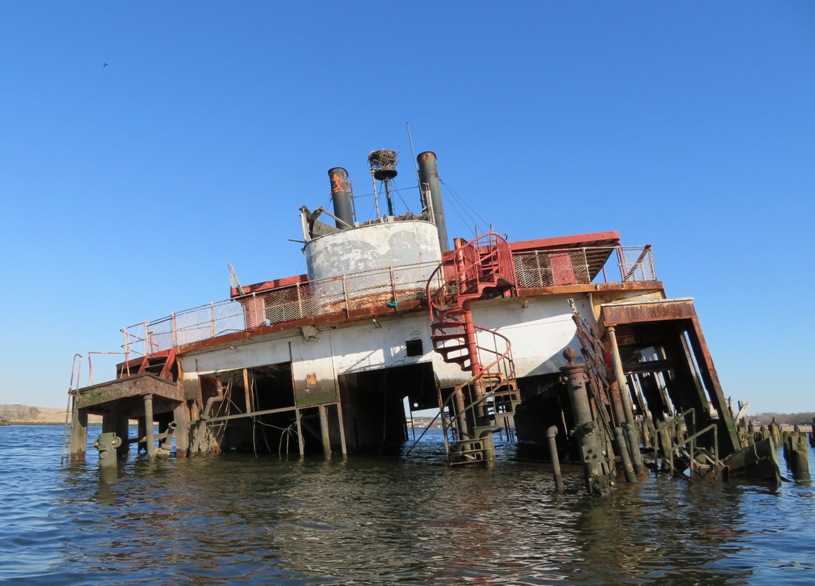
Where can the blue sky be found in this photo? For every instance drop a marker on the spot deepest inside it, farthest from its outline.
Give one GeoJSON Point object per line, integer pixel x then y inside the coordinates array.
{"type": "Point", "coordinates": [127, 188]}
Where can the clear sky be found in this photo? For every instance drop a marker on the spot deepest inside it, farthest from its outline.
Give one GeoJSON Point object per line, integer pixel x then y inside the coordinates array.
{"type": "Point", "coordinates": [144, 145]}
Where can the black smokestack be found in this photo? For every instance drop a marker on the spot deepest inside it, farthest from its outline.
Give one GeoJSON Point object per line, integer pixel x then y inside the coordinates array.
{"type": "Point", "coordinates": [341, 197]}
{"type": "Point", "coordinates": [429, 180]}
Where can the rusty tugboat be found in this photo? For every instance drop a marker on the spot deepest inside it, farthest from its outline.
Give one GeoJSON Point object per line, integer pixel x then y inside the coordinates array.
{"type": "Point", "coordinates": [567, 344]}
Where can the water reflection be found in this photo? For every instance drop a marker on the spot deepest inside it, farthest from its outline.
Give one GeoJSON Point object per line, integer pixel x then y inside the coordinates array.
{"type": "Point", "coordinates": [411, 519]}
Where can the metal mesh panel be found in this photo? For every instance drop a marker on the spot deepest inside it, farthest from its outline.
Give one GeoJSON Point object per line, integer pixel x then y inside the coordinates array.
{"type": "Point", "coordinates": [552, 267]}
{"type": "Point", "coordinates": [636, 263]}
{"type": "Point", "coordinates": [285, 304]}
{"type": "Point", "coordinates": [577, 265]}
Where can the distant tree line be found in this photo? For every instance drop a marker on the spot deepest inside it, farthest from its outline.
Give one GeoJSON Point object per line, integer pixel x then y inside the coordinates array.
{"type": "Point", "coordinates": [784, 418]}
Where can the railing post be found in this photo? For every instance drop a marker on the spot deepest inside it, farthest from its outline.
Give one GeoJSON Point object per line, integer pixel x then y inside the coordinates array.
{"type": "Point", "coordinates": [345, 294]}
{"type": "Point", "coordinates": [126, 347]}
{"type": "Point", "coordinates": [299, 300]}
{"type": "Point", "coordinates": [146, 345]}
{"type": "Point", "coordinates": [212, 318]}
{"type": "Point", "coordinates": [175, 338]}
{"type": "Point", "coordinates": [621, 262]}
{"type": "Point", "coordinates": [586, 266]}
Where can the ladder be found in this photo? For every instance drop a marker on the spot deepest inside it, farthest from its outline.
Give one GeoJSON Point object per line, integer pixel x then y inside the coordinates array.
{"type": "Point", "coordinates": [485, 403]}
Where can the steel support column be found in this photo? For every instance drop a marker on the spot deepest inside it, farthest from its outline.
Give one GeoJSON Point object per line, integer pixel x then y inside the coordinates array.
{"type": "Point", "coordinates": [595, 465]}
{"type": "Point", "coordinates": [631, 432]}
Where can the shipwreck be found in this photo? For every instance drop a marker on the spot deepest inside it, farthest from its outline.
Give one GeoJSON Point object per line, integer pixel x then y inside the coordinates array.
{"type": "Point", "coordinates": [568, 345]}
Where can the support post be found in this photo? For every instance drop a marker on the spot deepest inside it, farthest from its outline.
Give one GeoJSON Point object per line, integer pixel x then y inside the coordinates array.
{"type": "Point", "coordinates": [148, 423]}
{"type": "Point", "coordinates": [342, 432]}
{"type": "Point", "coordinates": [181, 417]}
{"type": "Point", "coordinates": [461, 415]}
{"type": "Point", "coordinates": [631, 433]}
{"type": "Point", "coordinates": [550, 435]}
{"type": "Point", "coordinates": [300, 443]}
{"type": "Point", "coordinates": [617, 404]}
{"type": "Point", "coordinates": [622, 448]}
{"type": "Point", "coordinates": [142, 432]}
{"type": "Point", "coordinates": [79, 435]}
{"type": "Point", "coordinates": [325, 433]}
{"type": "Point", "coordinates": [108, 462]}
{"type": "Point", "coordinates": [247, 395]}
{"type": "Point", "coordinates": [795, 450]}
{"type": "Point", "coordinates": [595, 466]}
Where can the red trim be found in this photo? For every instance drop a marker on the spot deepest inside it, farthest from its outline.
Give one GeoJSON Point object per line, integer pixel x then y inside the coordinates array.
{"type": "Point", "coordinates": [611, 238]}
{"type": "Point", "coordinates": [269, 285]}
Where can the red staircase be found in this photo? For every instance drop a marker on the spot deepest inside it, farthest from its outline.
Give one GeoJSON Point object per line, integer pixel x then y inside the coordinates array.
{"type": "Point", "coordinates": [479, 269]}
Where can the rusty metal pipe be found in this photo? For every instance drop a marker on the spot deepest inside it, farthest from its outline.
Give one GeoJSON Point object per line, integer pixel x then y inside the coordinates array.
{"type": "Point", "coordinates": [217, 398]}
{"type": "Point", "coordinates": [550, 435]}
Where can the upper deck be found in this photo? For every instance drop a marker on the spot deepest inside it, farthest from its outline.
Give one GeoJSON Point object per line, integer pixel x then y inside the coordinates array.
{"type": "Point", "coordinates": [542, 267]}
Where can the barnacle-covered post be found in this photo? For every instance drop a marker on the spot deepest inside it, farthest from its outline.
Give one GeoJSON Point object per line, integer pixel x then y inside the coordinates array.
{"type": "Point", "coordinates": [595, 465]}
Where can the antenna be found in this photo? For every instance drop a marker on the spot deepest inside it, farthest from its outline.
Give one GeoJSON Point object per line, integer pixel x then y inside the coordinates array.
{"type": "Point", "coordinates": [416, 167]}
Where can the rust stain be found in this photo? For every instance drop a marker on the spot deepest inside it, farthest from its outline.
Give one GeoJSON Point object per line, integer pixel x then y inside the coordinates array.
{"type": "Point", "coordinates": [336, 183]}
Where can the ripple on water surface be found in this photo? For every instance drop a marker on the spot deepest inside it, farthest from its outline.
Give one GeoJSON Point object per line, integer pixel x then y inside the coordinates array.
{"type": "Point", "coordinates": [235, 519]}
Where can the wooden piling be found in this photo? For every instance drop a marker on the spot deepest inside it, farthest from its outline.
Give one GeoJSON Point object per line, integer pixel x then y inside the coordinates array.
{"type": "Point", "coordinates": [148, 423]}
{"type": "Point", "coordinates": [79, 435]}
{"type": "Point", "coordinates": [325, 432]}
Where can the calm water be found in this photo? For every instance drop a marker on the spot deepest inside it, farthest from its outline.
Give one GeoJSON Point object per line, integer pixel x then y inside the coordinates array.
{"type": "Point", "coordinates": [232, 519]}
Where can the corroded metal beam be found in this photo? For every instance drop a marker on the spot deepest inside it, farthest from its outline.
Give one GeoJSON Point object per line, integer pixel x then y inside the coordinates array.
{"type": "Point", "coordinates": [123, 388]}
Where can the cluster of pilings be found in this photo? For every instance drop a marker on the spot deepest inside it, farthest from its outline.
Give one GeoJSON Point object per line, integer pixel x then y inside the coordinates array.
{"type": "Point", "coordinates": [795, 443]}
{"type": "Point", "coordinates": [795, 451]}
{"type": "Point", "coordinates": [596, 452]}
{"type": "Point", "coordinates": [687, 445]}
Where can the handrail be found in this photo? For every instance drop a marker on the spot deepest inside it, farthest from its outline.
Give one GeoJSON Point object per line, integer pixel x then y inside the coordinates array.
{"type": "Point", "coordinates": [320, 297]}
{"type": "Point", "coordinates": [691, 439]}
{"type": "Point", "coordinates": [76, 366]}
{"type": "Point", "coordinates": [467, 264]}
